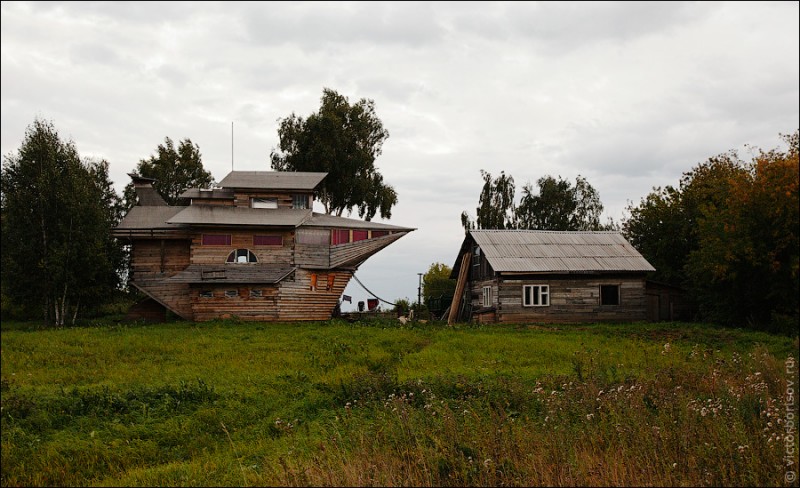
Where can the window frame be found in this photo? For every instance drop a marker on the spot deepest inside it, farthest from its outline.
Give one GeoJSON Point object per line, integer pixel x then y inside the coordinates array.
{"type": "Point", "coordinates": [268, 236]}
{"type": "Point", "coordinates": [487, 296]}
{"type": "Point", "coordinates": [228, 239]}
{"type": "Point", "coordinates": [266, 203]}
{"type": "Point", "coordinates": [296, 198]}
{"type": "Point", "coordinates": [231, 293]}
{"type": "Point", "coordinates": [236, 254]}
{"type": "Point", "coordinates": [541, 297]}
{"type": "Point", "coordinates": [618, 294]}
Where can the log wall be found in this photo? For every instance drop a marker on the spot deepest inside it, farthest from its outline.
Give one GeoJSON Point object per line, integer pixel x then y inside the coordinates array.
{"type": "Point", "coordinates": [572, 299]}
{"type": "Point", "coordinates": [242, 240]}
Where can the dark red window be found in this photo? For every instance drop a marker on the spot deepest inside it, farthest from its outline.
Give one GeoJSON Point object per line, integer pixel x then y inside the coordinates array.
{"type": "Point", "coordinates": [340, 236]}
{"type": "Point", "coordinates": [379, 233]}
{"type": "Point", "coordinates": [216, 239]}
{"type": "Point", "coordinates": [267, 240]}
{"type": "Point", "coordinates": [360, 235]}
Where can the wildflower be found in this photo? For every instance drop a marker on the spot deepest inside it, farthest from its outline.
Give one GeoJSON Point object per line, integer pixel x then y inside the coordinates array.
{"type": "Point", "coordinates": [589, 416]}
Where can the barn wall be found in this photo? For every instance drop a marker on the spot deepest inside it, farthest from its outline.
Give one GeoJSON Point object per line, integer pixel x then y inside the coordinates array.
{"type": "Point", "coordinates": [243, 240]}
{"type": "Point", "coordinates": [158, 256]}
{"type": "Point", "coordinates": [573, 299]}
{"type": "Point", "coordinates": [298, 301]}
{"type": "Point", "coordinates": [242, 305]}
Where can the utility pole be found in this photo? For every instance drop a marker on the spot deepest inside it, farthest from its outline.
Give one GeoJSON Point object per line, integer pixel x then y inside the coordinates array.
{"type": "Point", "coordinates": [419, 296]}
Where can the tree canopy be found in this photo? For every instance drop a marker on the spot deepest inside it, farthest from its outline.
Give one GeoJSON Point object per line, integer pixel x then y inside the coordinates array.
{"type": "Point", "coordinates": [557, 205]}
{"type": "Point", "coordinates": [174, 169]}
{"type": "Point", "coordinates": [343, 140]}
{"type": "Point", "coordinates": [729, 234]}
{"type": "Point", "coordinates": [57, 216]}
{"type": "Point", "coordinates": [436, 282]}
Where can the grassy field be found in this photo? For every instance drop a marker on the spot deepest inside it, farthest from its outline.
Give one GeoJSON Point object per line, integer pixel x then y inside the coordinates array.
{"type": "Point", "coordinates": [337, 403]}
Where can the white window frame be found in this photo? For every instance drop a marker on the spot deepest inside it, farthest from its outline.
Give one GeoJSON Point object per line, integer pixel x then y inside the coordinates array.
{"type": "Point", "coordinates": [231, 293]}
{"type": "Point", "coordinates": [264, 202]}
{"type": "Point", "coordinates": [487, 296]}
{"type": "Point", "coordinates": [543, 296]}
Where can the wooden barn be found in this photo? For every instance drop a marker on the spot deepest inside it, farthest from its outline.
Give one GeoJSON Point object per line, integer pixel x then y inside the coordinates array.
{"type": "Point", "coordinates": [522, 276]}
{"type": "Point", "coordinates": [253, 249]}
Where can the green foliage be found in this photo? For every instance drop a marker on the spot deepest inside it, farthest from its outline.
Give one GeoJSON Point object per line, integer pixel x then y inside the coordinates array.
{"type": "Point", "coordinates": [436, 282]}
{"type": "Point", "coordinates": [57, 215]}
{"type": "Point", "coordinates": [558, 205]}
{"type": "Point", "coordinates": [343, 140]}
{"type": "Point", "coordinates": [335, 403]}
{"type": "Point", "coordinates": [402, 306]}
{"type": "Point", "coordinates": [175, 171]}
{"type": "Point", "coordinates": [729, 234]}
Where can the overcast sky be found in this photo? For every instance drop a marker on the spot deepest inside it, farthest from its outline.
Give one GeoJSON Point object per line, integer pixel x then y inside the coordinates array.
{"type": "Point", "coordinates": [628, 95]}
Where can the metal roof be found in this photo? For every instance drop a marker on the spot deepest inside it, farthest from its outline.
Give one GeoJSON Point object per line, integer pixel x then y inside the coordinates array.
{"type": "Point", "coordinates": [531, 251]}
{"type": "Point", "coordinates": [149, 217]}
{"type": "Point", "coordinates": [325, 220]}
{"type": "Point", "coordinates": [232, 273]}
{"type": "Point", "coordinates": [272, 180]}
{"type": "Point", "coordinates": [227, 215]}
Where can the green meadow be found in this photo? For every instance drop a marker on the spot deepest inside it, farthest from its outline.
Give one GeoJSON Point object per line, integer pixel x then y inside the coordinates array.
{"type": "Point", "coordinates": [377, 403]}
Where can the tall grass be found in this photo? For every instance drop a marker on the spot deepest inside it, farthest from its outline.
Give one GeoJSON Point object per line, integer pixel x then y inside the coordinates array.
{"type": "Point", "coordinates": [334, 403]}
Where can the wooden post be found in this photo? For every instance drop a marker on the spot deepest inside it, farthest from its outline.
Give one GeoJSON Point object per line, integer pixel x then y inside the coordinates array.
{"type": "Point", "coordinates": [462, 280]}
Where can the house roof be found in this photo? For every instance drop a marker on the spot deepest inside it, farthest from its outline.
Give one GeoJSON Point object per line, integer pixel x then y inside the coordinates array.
{"type": "Point", "coordinates": [221, 193]}
{"type": "Point", "coordinates": [532, 251]}
{"type": "Point", "coordinates": [227, 215]}
{"type": "Point", "coordinates": [325, 220]}
{"type": "Point", "coordinates": [232, 273]}
{"type": "Point", "coordinates": [272, 180]}
{"type": "Point", "coordinates": [149, 217]}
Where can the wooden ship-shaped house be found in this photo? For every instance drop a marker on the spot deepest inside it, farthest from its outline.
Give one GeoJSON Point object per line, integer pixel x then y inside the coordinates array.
{"type": "Point", "coordinates": [252, 248]}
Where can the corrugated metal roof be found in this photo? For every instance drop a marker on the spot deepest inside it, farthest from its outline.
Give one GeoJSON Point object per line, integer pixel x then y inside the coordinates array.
{"type": "Point", "coordinates": [233, 273]}
{"type": "Point", "coordinates": [325, 220]}
{"type": "Point", "coordinates": [550, 251]}
{"type": "Point", "coordinates": [272, 180]}
{"type": "Point", "coordinates": [226, 215]}
{"type": "Point", "coordinates": [154, 217]}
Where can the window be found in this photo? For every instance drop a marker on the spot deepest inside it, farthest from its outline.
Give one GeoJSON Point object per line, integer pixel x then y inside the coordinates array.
{"type": "Point", "coordinates": [231, 293]}
{"type": "Point", "coordinates": [340, 236]}
{"type": "Point", "coordinates": [267, 240]}
{"type": "Point", "coordinates": [487, 296]}
{"type": "Point", "coordinates": [206, 294]}
{"type": "Point", "coordinates": [264, 202]}
{"type": "Point", "coordinates": [255, 294]}
{"type": "Point", "coordinates": [536, 296]}
{"type": "Point", "coordinates": [216, 239]}
{"type": "Point", "coordinates": [609, 294]}
{"type": "Point", "coordinates": [360, 235]}
{"type": "Point", "coordinates": [313, 236]}
{"type": "Point", "coordinates": [241, 256]}
{"type": "Point", "coordinates": [300, 201]}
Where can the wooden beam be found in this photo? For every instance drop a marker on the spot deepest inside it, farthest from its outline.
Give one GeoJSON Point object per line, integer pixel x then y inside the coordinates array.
{"type": "Point", "coordinates": [462, 280]}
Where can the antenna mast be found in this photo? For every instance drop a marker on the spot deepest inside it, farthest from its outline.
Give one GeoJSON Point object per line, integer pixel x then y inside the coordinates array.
{"type": "Point", "coordinates": [231, 145]}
